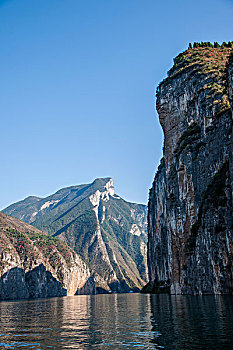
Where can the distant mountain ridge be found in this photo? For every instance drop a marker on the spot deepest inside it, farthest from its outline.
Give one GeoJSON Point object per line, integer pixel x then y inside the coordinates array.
{"type": "Point", "coordinates": [108, 232]}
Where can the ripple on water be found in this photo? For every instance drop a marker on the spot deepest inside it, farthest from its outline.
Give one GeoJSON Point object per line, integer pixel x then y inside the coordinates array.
{"type": "Point", "coordinates": [125, 321]}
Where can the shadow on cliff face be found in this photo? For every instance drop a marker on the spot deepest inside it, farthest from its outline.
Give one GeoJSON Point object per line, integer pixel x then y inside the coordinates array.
{"type": "Point", "coordinates": [37, 283]}
{"type": "Point", "coordinates": [88, 288]}
{"type": "Point", "coordinates": [122, 287]}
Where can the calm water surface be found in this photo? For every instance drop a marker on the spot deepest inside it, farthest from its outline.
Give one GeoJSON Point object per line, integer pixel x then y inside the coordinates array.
{"type": "Point", "coordinates": [123, 321]}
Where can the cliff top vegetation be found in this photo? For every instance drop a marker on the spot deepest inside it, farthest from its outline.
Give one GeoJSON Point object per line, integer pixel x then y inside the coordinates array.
{"type": "Point", "coordinates": [31, 245]}
{"type": "Point", "coordinates": [209, 57]}
{"type": "Point", "coordinates": [209, 61]}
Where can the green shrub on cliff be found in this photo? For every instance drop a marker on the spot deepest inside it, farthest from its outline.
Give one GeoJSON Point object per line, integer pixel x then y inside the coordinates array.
{"type": "Point", "coordinates": [209, 44]}
{"type": "Point", "coordinates": [25, 243]}
{"type": "Point", "coordinates": [209, 62]}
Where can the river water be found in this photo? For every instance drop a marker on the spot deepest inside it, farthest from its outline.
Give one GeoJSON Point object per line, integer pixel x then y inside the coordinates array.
{"type": "Point", "coordinates": [118, 321]}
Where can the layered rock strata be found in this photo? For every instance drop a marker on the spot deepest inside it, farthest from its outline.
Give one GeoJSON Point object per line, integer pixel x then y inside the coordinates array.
{"type": "Point", "coordinates": [34, 265]}
{"type": "Point", "coordinates": [190, 222]}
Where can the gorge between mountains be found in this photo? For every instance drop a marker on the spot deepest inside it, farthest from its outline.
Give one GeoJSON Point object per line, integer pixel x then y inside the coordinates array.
{"type": "Point", "coordinates": [104, 232]}
{"type": "Point", "coordinates": [86, 239]}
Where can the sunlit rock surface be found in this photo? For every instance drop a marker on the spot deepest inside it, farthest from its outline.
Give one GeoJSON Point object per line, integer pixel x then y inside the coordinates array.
{"type": "Point", "coordinates": [34, 265]}
{"type": "Point", "coordinates": [190, 246]}
{"type": "Point", "coordinates": [109, 233]}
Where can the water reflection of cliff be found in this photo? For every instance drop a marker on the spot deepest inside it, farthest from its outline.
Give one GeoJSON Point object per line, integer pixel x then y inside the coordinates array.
{"type": "Point", "coordinates": [118, 321]}
{"type": "Point", "coordinates": [187, 322]}
{"type": "Point", "coordinates": [107, 322]}
{"type": "Point", "coordinates": [79, 322]}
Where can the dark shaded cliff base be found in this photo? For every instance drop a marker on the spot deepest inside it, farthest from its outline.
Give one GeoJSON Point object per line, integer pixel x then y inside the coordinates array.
{"type": "Point", "coordinates": [157, 287]}
{"type": "Point", "coordinates": [190, 221]}
{"type": "Point", "coordinates": [34, 265]}
{"type": "Point", "coordinates": [37, 283]}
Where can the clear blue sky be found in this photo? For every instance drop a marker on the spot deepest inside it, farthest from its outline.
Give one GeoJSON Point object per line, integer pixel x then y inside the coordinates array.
{"type": "Point", "coordinates": [77, 88]}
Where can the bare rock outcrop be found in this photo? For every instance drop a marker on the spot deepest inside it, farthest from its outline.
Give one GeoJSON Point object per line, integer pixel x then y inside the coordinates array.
{"type": "Point", "coordinates": [35, 265]}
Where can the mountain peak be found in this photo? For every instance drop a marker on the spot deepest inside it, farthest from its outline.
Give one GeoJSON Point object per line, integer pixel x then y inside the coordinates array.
{"type": "Point", "coordinates": [104, 185]}
{"type": "Point", "coordinates": [103, 189]}
{"type": "Point", "coordinates": [109, 187]}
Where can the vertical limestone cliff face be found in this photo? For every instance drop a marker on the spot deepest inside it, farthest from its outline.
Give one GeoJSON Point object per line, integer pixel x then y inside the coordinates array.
{"type": "Point", "coordinates": [190, 232]}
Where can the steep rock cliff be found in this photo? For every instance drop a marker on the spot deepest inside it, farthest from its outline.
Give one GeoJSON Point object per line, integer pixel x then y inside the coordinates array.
{"type": "Point", "coordinates": [190, 236]}
{"type": "Point", "coordinates": [34, 265]}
